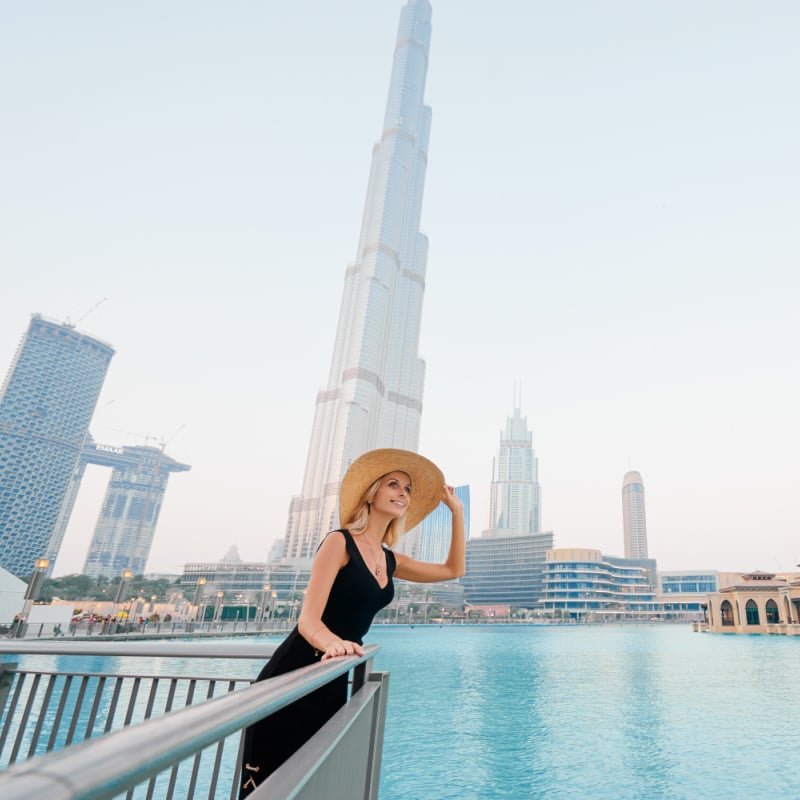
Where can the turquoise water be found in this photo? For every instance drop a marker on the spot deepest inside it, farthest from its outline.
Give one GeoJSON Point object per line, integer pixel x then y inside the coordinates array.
{"type": "Point", "coordinates": [589, 712]}
{"type": "Point", "coordinates": [552, 712]}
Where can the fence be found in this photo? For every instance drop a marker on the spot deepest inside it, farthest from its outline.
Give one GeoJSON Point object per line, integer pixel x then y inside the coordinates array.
{"type": "Point", "coordinates": [82, 734]}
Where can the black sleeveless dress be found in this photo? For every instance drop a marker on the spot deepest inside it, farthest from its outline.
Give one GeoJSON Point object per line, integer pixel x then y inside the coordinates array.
{"type": "Point", "coordinates": [355, 598]}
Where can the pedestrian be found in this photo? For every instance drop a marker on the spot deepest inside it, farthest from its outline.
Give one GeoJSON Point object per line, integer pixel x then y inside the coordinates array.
{"type": "Point", "coordinates": [384, 493]}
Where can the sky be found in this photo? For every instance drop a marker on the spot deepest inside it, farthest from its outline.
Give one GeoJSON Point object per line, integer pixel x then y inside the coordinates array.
{"type": "Point", "coordinates": [611, 203]}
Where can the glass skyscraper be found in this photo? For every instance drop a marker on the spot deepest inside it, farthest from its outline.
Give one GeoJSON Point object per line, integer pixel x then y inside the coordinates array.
{"type": "Point", "coordinates": [46, 404]}
{"type": "Point", "coordinates": [633, 516]}
{"type": "Point", "coordinates": [435, 531]}
{"type": "Point", "coordinates": [124, 532]}
{"type": "Point", "coordinates": [505, 565]}
{"type": "Point", "coordinates": [373, 397]}
{"type": "Point", "coordinates": [515, 495]}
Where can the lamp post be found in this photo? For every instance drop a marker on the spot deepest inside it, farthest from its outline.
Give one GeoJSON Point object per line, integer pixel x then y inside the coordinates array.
{"type": "Point", "coordinates": [262, 603]}
{"type": "Point", "coordinates": [121, 594]}
{"type": "Point", "coordinates": [198, 595]}
{"type": "Point", "coordinates": [31, 595]}
{"type": "Point", "coordinates": [218, 606]}
{"type": "Point", "coordinates": [273, 598]}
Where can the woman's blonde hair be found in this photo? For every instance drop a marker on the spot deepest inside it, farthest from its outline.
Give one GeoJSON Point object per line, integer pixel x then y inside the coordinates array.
{"type": "Point", "coordinates": [358, 520]}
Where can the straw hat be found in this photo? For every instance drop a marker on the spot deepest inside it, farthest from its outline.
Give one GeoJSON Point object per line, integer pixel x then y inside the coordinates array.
{"type": "Point", "coordinates": [426, 482]}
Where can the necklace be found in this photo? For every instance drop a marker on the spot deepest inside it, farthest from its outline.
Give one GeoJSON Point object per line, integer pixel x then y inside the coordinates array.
{"type": "Point", "coordinates": [376, 558]}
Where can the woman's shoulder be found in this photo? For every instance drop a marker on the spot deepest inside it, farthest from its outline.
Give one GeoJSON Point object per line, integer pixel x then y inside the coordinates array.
{"type": "Point", "coordinates": [340, 540]}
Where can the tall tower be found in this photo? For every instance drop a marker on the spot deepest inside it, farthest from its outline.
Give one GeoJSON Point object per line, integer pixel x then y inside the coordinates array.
{"type": "Point", "coordinates": [633, 516]}
{"type": "Point", "coordinates": [515, 500]}
{"type": "Point", "coordinates": [373, 397]}
{"type": "Point", "coordinates": [46, 404]}
{"type": "Point", "coordinates": [124, 532]}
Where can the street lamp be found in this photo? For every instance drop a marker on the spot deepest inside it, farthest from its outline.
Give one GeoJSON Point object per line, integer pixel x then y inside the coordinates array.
{"type": "Point", "coordinates": [262, 603]}
{"type": "Point", "coordinates": [218, 606]}
{"type": "Point", "coordinates": [273, 598]}
{"type": "Point", "coordinates": [123, 587]}
{"type": "Point", "coordinates": [198, 594]}
{"type": "Point", "coordinates": [31, 595]}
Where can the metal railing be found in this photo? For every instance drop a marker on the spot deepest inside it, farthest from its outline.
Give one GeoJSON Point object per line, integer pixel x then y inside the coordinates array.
{"type": "Point", "coordinates": [37, 630]}
{"type": "Point", "coordinates": [191, 752]}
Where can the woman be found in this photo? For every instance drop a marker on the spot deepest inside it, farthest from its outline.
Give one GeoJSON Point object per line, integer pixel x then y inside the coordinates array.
{"type": "Point", "coordinates": [384, 493]}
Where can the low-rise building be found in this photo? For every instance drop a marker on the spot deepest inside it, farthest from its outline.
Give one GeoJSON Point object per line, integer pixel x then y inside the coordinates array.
{"type": "Point", "coordinates": [682, 594]}
{"type": "Point", "coordinates": [761, 602]}
{"type": "Point", "coordinates": [505, 568]}
{"type": "Point", "coordinates": [589, 586]}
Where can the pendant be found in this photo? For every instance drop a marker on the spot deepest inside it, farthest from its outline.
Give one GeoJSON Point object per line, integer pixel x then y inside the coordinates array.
{"type": "Point", "coordinates": [377, 569]}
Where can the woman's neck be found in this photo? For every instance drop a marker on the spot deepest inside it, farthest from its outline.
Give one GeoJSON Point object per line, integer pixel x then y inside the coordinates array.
{"type": "Point", "coordinates": [376, 527]}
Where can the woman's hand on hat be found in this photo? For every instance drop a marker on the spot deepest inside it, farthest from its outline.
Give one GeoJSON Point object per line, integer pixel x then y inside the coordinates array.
{"type": "Point", "coordinates": [452, 500]}
{"type": "Point", "coordinates": [341, 647]}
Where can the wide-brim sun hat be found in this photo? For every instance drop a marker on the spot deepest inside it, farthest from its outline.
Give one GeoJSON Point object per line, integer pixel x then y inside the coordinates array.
{"type": "Point", "coordinates": [427, 481]}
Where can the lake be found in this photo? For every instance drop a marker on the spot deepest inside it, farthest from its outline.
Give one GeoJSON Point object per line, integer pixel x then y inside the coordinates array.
{"type": "Point", "coordinates": [573, 711]}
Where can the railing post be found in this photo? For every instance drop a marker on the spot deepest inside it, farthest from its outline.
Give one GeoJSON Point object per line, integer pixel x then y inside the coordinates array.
{"type": "Point", "coordinates": [376, 736]}
{"type": "Point", "coordinates": [360, 675]}
{"type": "Point", "coordinates": [7, 670]}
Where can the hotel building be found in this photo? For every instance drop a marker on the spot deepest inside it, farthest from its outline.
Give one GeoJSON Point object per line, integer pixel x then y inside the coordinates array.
{"type": "Point", "coordinates": [46, 404]}
{"type": "Point", "coordinates": [134, 496]}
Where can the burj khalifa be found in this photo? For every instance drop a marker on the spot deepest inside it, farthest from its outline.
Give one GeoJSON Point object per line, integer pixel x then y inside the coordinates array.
{"type": "Point", "coordinates": [373, 397]}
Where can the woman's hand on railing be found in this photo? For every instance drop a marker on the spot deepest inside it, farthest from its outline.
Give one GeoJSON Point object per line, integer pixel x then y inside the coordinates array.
{"type": "Point", "coordinates": [341, 647]}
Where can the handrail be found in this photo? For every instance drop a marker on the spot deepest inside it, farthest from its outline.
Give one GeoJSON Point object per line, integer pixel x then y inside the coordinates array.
{"type": "Point", "coordinates": [103, 767]}
{"type": "Point", "coordinates": [170, 649]}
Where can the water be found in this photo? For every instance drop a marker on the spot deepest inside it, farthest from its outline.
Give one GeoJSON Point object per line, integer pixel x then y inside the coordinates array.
{"type": "Point", "coordinates": [589, 712]}
{"type": "Point", "coordinates": [600, 712]}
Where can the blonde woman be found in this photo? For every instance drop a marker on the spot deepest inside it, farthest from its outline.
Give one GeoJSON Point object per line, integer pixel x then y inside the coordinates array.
{"type": "Point", "coordinates": [384, 493]}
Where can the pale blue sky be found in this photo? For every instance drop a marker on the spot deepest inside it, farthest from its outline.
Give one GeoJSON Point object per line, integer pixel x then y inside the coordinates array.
{"type": "Point", "coordinates": [612, 205]}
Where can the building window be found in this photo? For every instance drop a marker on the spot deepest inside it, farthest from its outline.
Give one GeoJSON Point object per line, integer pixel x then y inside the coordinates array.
{"type": "Point", "coordinates": [751, 610]}
{"type": "Point", "coordinates": [772, 612]}
{"type": "Point", "coordinates": [726, 611]}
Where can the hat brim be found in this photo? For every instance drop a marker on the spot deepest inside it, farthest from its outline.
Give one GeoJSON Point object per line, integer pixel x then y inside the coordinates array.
{"type": "Point", "coordinates": [427, 481]}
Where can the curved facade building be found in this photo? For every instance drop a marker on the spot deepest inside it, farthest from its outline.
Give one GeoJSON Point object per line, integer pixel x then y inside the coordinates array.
{"type": "Point", "coordinates": [585, 583]}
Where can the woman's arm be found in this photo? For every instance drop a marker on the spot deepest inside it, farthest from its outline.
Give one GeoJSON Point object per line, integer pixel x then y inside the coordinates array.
{"type": "Point", "coordinates": [330, 558]}
{"type": "Point", "coordinates": [410, 569]}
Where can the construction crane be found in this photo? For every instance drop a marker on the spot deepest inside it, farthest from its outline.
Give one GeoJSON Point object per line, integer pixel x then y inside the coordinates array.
{"type": "Point", "coordinates": [83, 316]}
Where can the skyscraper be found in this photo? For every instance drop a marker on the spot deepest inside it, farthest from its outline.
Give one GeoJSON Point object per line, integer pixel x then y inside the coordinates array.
{"type": "Point", "coordinates": [633, 516]}
{"type": "Point", "coordinates": [505, 565]}
{"type": "Point", "coordinates": [515, 500]}
{"type": "Point", "coordinates": [373, 397]}
{"type": "Point", "coordinates": [436, 530]}
{"type": "Point", "coordinates": [46, 404]}
{"type": "Point", "coordinates": [124, 532]}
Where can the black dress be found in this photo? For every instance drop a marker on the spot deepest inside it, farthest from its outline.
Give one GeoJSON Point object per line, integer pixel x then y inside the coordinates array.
{"type": "Point", "coordinates": [355, 598]}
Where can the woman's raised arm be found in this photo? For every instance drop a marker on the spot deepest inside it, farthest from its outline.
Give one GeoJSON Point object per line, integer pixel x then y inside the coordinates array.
{"type": "Point", "coordinates": [409, 569]}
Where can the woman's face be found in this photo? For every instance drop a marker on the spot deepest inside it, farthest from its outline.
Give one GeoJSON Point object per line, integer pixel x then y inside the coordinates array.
{"type": "Point", "coordinates": [394, 494]}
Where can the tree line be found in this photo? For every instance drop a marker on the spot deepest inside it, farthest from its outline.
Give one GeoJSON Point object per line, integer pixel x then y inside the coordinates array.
{"type": "Point", "coordinates": [86, 587]}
